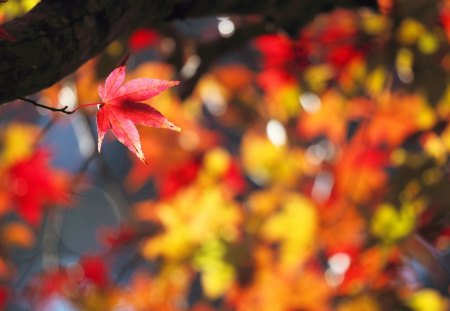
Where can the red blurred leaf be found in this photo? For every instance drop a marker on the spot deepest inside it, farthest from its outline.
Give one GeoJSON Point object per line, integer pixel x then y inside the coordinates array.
{"type": "Point", "coordinates": [33, 183]}
{"type": "Point", "coordinates": [45, 285]}
{"type": "Point", "coordinates": [95, 270]}
{"type": "Point", "coordinates": [121, 110]}
{"type": "Point", "coordinates": [178, 178]}
{"type": "Point", "coordinates": [370, 267]}
{"type": "Point", "coordinates": [142, 38]}
{"type": "Point", "coordinates": [385, 6]}
{"type": "Point", "coordinates": [114, 238]}
{"type": "Point", "coordinates": [233, 178]}
{"type": "Point", "coordinates": [271, 80]}
{"type": "Point", "coordinates": [4, 295]}
{"type": "Point", "coordinates": [332, 39]}
{"type": "Point", "coordinates": [277, 50]}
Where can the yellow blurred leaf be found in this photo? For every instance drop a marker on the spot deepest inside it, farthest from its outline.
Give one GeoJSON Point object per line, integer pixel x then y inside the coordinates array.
{"type": "Point", "coordinates": [374, 24]}
{"type": "Point", "coordinates": [264, 202]}
{"type": "Point", "coordinates": [217, 161]}
{"type": "Point", "coordinates": [391, 225]}
{"type": "Point", "coordinates": [114, 49]}
{"type": "Point", "coordinates": [16, 8]}
{"type": "Point", "coordinates": [435, 146]}
{"type": "Point", "coordinates": [376, 81]}
{"type": "Point", "coordinates": [187, 226]}
{"type": "Point", "coordinates": [18, 143]}
{"type": "Point", "coordinates": [359, 303]}
{"type": "Point", "coordinates": [404, 59]}
{"type": "Point", "coordinates": [294, 226]}
{"type": "Point", "coordinates": [265, 163]}
{"type": "Point", "coordinates": [318, 75]}
{"type": "Point", "coordinates": [428, 300]}
{"type": "Point", "coordinates": [282, 103]}
{"type": "Point", "coordinates": [428, 43]}
{"type": "Point", "coordinates": [409, 31]}
{"type": "Point", "coordinates": [217, 276]}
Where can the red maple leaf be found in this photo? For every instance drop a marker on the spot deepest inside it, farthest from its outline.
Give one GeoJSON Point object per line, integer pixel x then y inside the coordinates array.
{"type": "Point", "coordinates": [120, 109]}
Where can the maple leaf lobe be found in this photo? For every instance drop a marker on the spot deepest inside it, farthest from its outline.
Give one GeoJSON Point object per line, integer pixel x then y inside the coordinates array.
{"type": "Point", "coordinates": [121, 110]}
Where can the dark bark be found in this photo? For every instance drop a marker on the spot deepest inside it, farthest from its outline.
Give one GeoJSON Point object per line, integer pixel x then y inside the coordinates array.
{"type": "Point", "coordinates": [58, 36]}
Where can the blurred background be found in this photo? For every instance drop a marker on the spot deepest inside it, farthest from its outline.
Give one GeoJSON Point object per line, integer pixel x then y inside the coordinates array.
{"type": "Point", "coordinates": [311, 172]}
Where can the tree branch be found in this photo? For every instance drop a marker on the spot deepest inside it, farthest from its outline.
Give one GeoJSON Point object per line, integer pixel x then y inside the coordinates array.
{"type": "Point", "coordinates": [57, 37]}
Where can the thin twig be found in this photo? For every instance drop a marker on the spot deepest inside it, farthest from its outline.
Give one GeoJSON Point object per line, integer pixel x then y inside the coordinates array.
{"type": "Point", "coordinates": [35, 103]}
{"type": "Point", "coordinates": [63, 109]}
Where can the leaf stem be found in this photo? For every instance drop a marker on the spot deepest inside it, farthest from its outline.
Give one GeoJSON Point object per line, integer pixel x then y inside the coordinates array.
{"type": "Point", "coordinates": [124, 61]}
{"type": "Point", "coordinates": [87, 105]}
